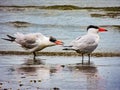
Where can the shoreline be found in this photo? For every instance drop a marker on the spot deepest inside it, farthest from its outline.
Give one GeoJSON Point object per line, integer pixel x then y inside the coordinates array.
{"type": "Point", "coordinates": [96, 54]}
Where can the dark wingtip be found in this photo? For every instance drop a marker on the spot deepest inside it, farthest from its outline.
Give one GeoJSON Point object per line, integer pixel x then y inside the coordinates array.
{"type": "Point", "coordinates": [7, 39]}
{"type": "Point", "coordinates": [68, 46]}
{"type": "Point", "coordinates": [11, 37]}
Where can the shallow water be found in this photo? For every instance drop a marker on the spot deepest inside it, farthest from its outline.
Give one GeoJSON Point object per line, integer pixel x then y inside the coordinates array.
{"type": "Point", "coordinates": [61, 73]}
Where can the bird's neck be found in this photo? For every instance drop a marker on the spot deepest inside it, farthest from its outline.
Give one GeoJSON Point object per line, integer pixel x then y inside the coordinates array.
{"type": "Point", "coordinates": [92, 33]}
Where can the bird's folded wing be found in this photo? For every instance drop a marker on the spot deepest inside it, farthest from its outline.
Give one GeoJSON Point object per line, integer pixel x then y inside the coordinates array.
{"type": "Point", "coordinates": [28, 41]}
{"type": "Point", "coordinates": [84, 43]}
{"type": "Point", "coordinates": [28, 44]}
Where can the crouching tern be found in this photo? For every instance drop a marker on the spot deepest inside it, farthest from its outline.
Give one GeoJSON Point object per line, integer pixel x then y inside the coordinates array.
{"type": "Point", "coordinates": [33, 42]}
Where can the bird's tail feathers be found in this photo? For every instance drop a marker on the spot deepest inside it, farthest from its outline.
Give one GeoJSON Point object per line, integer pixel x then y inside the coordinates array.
{"type": "Point", "coordinates": [10, 38]}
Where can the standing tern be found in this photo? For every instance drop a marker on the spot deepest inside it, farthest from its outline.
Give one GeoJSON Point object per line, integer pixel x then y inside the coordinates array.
{"type": "Point", "coordinates": [88, 43]}
{"type": "Point", "coordinates": [33, 42]}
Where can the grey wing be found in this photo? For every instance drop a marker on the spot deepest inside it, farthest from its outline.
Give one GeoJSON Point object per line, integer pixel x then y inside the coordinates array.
{"type": "Point", "coordinates": [27, 41]}
{"type": "Point", "coordinates": [85, 44]}
{"type": "Point", "coordinates": [29, 44]}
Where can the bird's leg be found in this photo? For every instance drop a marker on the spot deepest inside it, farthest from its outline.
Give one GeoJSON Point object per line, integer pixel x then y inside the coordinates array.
{"type": "Point", "coordinates": [88, 58]}
{"type": "Point", "coordinates": [82, 58]}
{"type": "Point", "coordinates": [34, 55]}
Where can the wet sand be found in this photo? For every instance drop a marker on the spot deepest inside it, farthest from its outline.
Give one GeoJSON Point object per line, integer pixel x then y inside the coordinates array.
{"type": "Point", "coordinates": [21, 72]}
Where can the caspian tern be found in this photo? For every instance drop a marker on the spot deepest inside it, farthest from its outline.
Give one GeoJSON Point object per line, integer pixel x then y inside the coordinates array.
{"type": "Point", "coordinates": [86, 44]}
{"type": "Point", "coordinates": [34, 41]}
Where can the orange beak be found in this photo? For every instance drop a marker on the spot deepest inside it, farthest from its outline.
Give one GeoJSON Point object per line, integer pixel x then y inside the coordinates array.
{"type": "Point", "coordinates": [102, 30]}
{"type": "Point", "coordinates": [59, 42]}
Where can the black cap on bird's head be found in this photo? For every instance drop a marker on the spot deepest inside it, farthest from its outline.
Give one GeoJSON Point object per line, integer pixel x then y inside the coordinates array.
{"type": "Point", "coordinates": [96, 27]}
{"type": "Point", "coordinates": [92, 26]}
{"type": "Point", "coordinates": [54, 40]}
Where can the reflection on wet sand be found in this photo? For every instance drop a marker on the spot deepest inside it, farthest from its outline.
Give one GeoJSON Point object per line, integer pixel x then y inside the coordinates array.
{"type": "Point", "coordinates": [38, 69]}
{"type": "Point", "coordinates": [32, 73]}
{"type": "Point", "coordinates": [89, 72]}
